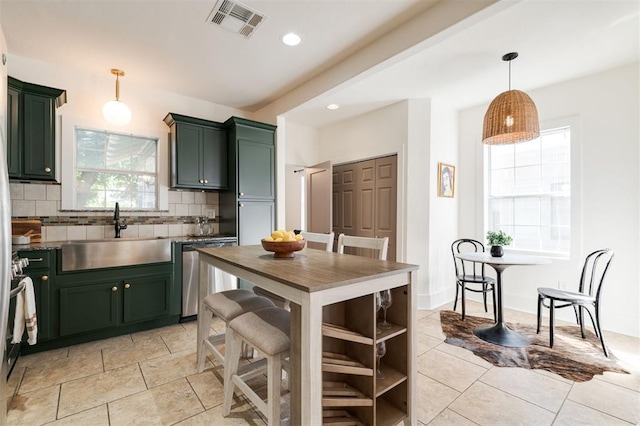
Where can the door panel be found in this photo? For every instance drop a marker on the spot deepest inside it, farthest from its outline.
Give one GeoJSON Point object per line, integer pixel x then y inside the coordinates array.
{"type": "Point", "coordinates": [365, 204]}
{"type": "Point", "coordinates": [386, 204]}
{"type": "Point", "coordinates": [319, 196]}
{"type": "Point", "coordinates": [189, 155]}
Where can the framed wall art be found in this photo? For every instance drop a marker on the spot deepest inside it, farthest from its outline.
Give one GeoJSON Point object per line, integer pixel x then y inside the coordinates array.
{"type": "Point", "coordinates": [446, 180]}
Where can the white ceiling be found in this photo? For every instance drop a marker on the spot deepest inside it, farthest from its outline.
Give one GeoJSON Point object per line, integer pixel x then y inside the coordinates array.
{"type": "Point", "coordinates": [167, 44]}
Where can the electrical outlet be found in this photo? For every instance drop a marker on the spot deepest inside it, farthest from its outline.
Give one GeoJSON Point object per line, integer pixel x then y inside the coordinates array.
{"type": "Point", "coordinates": [211, 213]}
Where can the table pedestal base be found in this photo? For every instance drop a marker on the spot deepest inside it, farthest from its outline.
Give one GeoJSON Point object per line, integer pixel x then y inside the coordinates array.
{"type": "Point", "coordinates": [500, 334]}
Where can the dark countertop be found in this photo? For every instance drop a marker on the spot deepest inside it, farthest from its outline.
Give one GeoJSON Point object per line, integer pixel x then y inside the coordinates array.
{"type": "Point", "coordinates": [53, 245]}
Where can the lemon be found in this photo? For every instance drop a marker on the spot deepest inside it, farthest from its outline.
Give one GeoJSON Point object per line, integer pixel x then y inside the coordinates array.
{"type": "Point", "coordinates": [269, 238]}
{"type": "Point", "coordinates": [279, 239]}
{"type": "Point", "coordinates": [276, 234]}
{"type": "Point", "coordinates": [299, 237]}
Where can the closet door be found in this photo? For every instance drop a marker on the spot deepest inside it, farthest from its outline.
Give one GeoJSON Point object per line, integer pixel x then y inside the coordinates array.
{"type": "Point", "coordinates": [386, 201]}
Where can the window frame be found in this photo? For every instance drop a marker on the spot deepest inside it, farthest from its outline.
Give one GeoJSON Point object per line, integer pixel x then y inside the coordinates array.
{"type": "Point", "coordinates": [575, 196]}
{"type": "Point", "coordinates": [68, 163]}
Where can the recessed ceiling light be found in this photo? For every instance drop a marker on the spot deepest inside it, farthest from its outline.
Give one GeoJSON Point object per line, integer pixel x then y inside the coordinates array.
{"type": "Point", "coordinates": [291, 39]}
{"type": "Point", "coordinates": [333, 106]}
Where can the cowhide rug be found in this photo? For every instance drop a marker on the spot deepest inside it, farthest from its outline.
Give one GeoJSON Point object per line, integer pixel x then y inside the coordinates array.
{"type": "Point", "coordinates": [571, 357]}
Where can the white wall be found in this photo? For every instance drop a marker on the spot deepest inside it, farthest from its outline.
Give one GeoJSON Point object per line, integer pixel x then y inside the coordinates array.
{"type": "Point", "coordinates": [443, 212]}
{"type": "Point", "coordinates": [606, 108]}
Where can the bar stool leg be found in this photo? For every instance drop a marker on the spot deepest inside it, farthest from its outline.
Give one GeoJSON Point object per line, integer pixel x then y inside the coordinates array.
{"type": "Point", "coordinates": [204, 328]}
{"type": "Point", "coordinates": [274, 378]}
{"type": "Point", "coordinates": [233, 348]}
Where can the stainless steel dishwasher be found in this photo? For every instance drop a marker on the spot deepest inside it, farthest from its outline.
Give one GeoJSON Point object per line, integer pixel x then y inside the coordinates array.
{"type": "Point", "coordinates": [191, 274]}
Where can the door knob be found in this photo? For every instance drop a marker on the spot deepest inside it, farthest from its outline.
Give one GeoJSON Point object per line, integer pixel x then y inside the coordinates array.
{"type": "Point", "coordinates": [44, 277]}
{"type": "Point", "coordinates": [242, 194]}
{"type": "Point", "coordinates": [114, 288]}
{"type": "Point", "coordinates": [47, 169]}
{"type": "Point", "coordinates": [241, 204]}
{"type": "Point", "coordinates": [127, 285]}
{"type": "Point", "coordinates": [206, 181]}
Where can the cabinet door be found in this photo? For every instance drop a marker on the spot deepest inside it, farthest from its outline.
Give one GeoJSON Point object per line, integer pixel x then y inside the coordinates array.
{"type": "Point", "coordinates": [146, 298]}
{"type": "Point", "coordinates": [41, 289]}
{"type": "Point", "coordinates": [14, 155]}
{"type": "Point", "coordinates": [40, 266]}
{"type": "Point", "coordinates": [256, 172]}
{"type": "Point", "coordinates": [189, 155]}
{"type": "Point", "coordinates": [89, 307]}
{"type": "Point", "coordinates": [214, 159]}
{"type": "Point", "coordinates": [39, 137]}
{"type": "Point", "coordinates": [257, 219]}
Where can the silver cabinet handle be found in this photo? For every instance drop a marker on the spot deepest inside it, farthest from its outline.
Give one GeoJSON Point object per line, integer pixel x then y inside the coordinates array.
{"type": "Point", "coordinates": [47, 169]}
{"type": "Point", "coordinates": [44, 277]}
{"type": "Point", "coordinates": [206, 181]}
{"type": "Point", "coordinates": [242, 194]}
{"type": "Point", "coordinates": [35, 259]}
{"type": "Point", "coordinates": [241, 204]}
{"type": "Point", "coordinates": [114, 288]}
{"type": "Point", "coordinates": [127, 285]}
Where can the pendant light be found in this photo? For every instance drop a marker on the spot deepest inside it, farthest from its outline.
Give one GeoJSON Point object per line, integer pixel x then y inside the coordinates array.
{"type": "Point", "coordinates": [512, 116]}
{"type": "Point", "coordinates": [116, 112]}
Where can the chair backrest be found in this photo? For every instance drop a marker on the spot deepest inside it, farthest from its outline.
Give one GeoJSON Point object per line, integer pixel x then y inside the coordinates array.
{"type": "Point", "coordinates": [379, 244]}
{"type": "Point", "coordinates": [465, 267]}
{"type": "Point", "coordinates": [594, 270]}
{"type": "Point", "coordinates": [314, 237]}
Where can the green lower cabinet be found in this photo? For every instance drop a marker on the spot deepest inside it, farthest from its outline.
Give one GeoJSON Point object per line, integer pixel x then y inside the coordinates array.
{"type": "Point", "coordinates": [89, 307]}
{"type": "Point", "coordinates": [146, 298]}
{"type": "Point", "coordinates": [127, 297]}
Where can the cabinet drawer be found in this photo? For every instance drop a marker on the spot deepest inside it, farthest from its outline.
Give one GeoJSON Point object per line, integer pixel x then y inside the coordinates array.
{"type": "Point", "coordinates": [38, 259]}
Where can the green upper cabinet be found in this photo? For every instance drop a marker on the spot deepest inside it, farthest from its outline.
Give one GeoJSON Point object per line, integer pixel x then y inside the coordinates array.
{"type": "Point", "coordinates": [247, 209]}
{"type": "Point", "coordinates": [198, 153]}
{"type": "Point", "coordinates": [31, 130]}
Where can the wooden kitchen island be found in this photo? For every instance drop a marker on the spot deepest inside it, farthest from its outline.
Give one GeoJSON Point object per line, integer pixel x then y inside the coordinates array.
{"type": "Point", "coordinates": [333, 330]}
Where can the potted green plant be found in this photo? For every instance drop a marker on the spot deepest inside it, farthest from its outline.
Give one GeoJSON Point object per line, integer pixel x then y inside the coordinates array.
{"type": "Point", "coordinates": [496, 240]}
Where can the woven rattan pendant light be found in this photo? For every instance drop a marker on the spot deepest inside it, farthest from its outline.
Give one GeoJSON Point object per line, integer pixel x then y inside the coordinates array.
{"type": "Point", "coordinates": [512, 116]}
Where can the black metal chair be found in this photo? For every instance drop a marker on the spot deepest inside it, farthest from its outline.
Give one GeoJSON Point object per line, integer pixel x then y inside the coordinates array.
{"type": "Point", "coordinates": [594, 271]}
{"type": "Point", "coordinates": [471, 273]}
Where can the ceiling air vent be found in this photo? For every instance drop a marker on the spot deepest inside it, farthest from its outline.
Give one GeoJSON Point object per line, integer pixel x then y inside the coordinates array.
{"type": "Point", "coordinates": [236, 17]}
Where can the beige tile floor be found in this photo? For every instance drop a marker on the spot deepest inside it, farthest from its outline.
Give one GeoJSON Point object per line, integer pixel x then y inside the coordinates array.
{"type": "Point", "coordinates": [151, 378]}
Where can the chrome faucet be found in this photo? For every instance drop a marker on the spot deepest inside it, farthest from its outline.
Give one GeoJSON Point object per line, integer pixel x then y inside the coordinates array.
{"type": "Point", "coordinates": [118, 226]}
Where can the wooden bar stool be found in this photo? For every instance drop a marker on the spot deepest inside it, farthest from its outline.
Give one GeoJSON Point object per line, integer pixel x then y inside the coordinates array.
{"type": "Point", "coordinates": [267, 330]}
{"type": "Point", "coordinates": [227, 305]}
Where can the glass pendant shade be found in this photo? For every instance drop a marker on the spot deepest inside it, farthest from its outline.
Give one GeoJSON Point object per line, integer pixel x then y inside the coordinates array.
{"type": "Point", "coordinates": [512, 117]}
{"type": "Point", "coordinates": [116, 112]}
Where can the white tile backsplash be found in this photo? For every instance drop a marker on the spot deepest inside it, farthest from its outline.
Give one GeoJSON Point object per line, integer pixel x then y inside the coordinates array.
{"type": "Point", "coordinates": [47, 208]}
{"type": "Point", "coordinates": [43, 200]}
{"type": "Point", "coordinates": [23, 208]}
{"type": "Point", "coordinates": [35, 192]}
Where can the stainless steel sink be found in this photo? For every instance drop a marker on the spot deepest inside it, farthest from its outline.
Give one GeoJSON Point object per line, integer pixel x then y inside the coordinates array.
{"type": "Point", "coordinates": [114, 252]}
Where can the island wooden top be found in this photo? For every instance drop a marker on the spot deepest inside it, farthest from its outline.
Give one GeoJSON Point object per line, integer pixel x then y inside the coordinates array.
{"type": "Point", "coordinates": [311, 270]}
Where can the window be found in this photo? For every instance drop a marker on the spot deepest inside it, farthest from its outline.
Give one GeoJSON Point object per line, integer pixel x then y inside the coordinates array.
{"type": "Point", "coordinates": [111, 167]}
{"type": "Point", "coordinates": [530, 192]}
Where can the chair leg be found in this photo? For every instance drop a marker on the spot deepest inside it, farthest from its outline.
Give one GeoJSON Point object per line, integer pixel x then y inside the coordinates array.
{"type": "Point", "coordinates": [540, 298]}
{"type": "Point", "coordinates": [581, 321]}
{"type": "Point", "coordinates": [464, 306]}
{"type": "Point", "coordinates": [552, 309]}
{"type": "Point", "coordinates": [484, 296]}
{"type": "Point", "coordinates": [599, 331]}
{"type": "Point", "coordinates": [495, 309]}
{"type": "Point", "coordinates": [455, 301]}
{"type": "Point", "coordinates": [204, 323]}
{"type": "Point", "coordinates": [233, 347]}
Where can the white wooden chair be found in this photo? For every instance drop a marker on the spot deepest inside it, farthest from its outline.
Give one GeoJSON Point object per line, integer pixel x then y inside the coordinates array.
{"type": "Point", "coordinates": [378, 244]}
{"type": "Point", "coordinates": [315, 237]}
